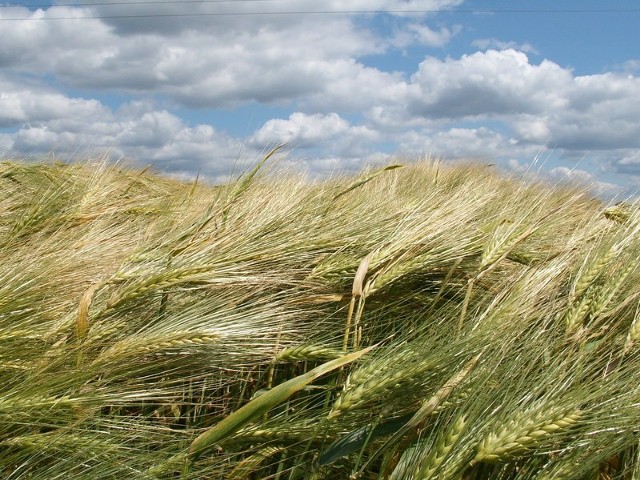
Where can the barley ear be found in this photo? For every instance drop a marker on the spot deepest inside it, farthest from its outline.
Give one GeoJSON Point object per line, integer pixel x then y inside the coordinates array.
{"type": "Point", "coordinates": [609, 292]}
{"type": "Point", "coordinates": [307, 353]}
{"type": "Point", "coordinates": [634, 332]}
{"type": "Point", "coordinates": [247, 466]}
{"type": "Point", "coordinates": [82, 319]}
{"type": "Point", "coordinates": [575, 315]}
{"type": "Point", "coordinates": [465, 305]}
{"type": "Point", "coordinates": [617, 213]}
{"type": "Point", "coordinates": [592, 271]}
{"type": "Point", "coordinates": [429, 406]}
{"type": "Point", "coordinates": [445, 442]}
{"type": "Point", "coordinates": [499, 248]}
{"type": "Point", "coordinates": [418, 420]}
{"type": "Point", "coordinates": [356, 292]}
{"type": "Point", "coordinates": [523, 432]}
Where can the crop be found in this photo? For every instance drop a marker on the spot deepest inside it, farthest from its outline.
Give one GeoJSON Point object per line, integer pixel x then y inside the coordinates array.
{"type": "Point", "coordinates": [425, 321]}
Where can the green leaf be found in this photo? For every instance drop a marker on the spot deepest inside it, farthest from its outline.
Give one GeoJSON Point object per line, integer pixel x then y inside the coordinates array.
{"type": "Point", "coordinates": [355, 440]}
{"type": "Point", "coordinates": [265, 402]}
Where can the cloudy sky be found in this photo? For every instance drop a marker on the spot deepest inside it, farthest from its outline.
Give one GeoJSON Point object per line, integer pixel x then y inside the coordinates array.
{"type": "Point", "coordinates": [197, 86]}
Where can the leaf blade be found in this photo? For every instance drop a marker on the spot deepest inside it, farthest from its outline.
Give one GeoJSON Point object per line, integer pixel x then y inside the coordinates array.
{"type": "Point", "coordinates": [265, 402]}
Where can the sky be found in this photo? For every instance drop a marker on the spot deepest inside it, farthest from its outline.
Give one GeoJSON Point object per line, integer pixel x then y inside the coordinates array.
{"type": "Point", "coordinates": [203, 87]}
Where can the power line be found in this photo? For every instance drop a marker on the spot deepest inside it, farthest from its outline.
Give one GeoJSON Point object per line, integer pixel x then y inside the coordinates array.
{"type": "Point", "coordinates": [151, 2]}
{"type": "Point", "coordinates": [303, 12]}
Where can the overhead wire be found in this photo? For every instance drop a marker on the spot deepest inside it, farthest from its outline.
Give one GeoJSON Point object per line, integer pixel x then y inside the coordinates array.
{"type": "Point", "coordinates": [280, 12]}
{"type": "Point", "coordinates": [134, 2]}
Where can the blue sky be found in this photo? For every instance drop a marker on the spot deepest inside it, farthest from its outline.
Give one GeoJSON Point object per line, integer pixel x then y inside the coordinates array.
{"type": "Point", "coordinates": [550, 85]}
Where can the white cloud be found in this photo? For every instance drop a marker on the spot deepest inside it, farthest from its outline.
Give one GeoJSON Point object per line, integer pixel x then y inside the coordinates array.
{"type": "Point", "coordinates": [599, 112]}
{"type": "Point", "coordinates": [479, 142]}
{"type": "Point", "coordinates": [210, 60]}
{"type": "Point", "coordinates": [422, 34]}
{"type": "Point", "coordinates": [22, 101]}
{"type": "Point", "coordinates": [585, 179]}
{"type": "Point", "coordinates": [45, 120]}
{"type": "Point", "coordinates": [302, 130]}
{"type": "Point", "coordinates": [487, 84]}
{"type": "Point", "coordinates": [79, 40]}
{"type": "Point", "coordinates": [494, 43]}
{"type": "Point", "coordinates": [221, 15]}
{"type": "Point", "coordinates": [532, 128]}
{"type": "Point", "coordinates": [352, 87]}
{"type": "Point", "coordinates": [524, 107]}
{"type": "Point", "coordinates": [631, 158]}
{"type": "Point", "coordinates": [158, 138]}
{"type": "Point", "coordinates": [329, 132]}
{"type": "Point", "coordinates": [264, 62]}
{"type": "Point", "coordinates": [631, 66]}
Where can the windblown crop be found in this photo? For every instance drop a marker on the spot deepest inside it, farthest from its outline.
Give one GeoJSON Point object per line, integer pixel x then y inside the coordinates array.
{"type": "Point", "coordinates": [411, 323]}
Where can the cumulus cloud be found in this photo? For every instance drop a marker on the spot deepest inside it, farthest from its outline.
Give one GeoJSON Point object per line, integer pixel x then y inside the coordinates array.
{"type": "Point", "coordinates": [480, 143]}
{"type": "Point", "coordinates": [330, 132]}
{"type": "Point", "coordinates": [302, 130]}
{"type": "Point", "coordinates": [576, 176]}
{"type": "Point", "coordinates": [211, 60]}
{"type": "Point", "coordinates": [486, 84]}
{"type": "Point", "coordinates": [158, 138]}
{"type": "Point", "coordinates": [352, 87]}
{"type": "Point", "coordinates": [25, 35]}
{"type": "Point", "coordinates": [632, 157]}
{"type": "Point", "coordinates": [44, 120]}
{"type": "Point", "coordinates": [524, 106]}
{"type": "Point", "coordinates": [203, 67]}
{"type": "Point", "coordinates": [599, 113]}
{"type": "Point", "coordinates": [22, 101]}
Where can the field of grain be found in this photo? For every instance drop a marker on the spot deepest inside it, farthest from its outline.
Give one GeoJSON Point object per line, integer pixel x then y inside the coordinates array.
{"type": "Point", "coordinates": [417, 322]}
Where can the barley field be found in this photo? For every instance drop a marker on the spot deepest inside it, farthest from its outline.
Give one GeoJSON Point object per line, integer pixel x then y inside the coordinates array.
{"type": "Point", "coordinates": [425, 321]}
